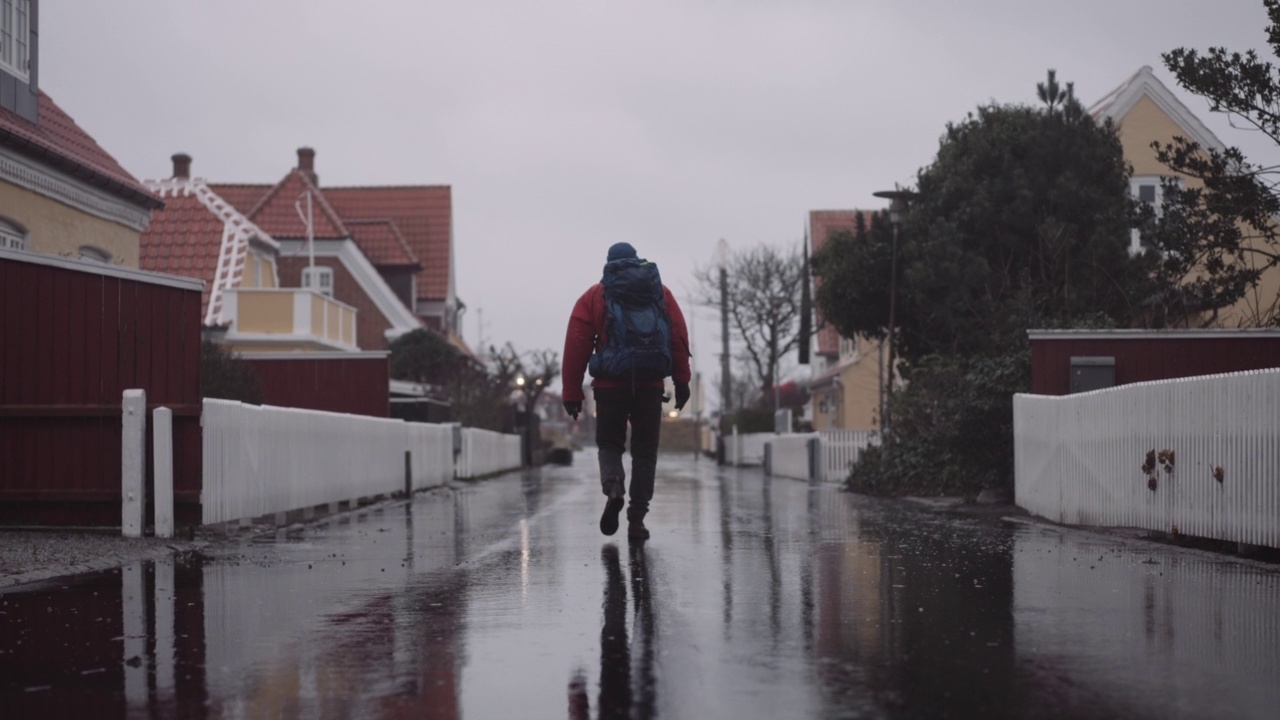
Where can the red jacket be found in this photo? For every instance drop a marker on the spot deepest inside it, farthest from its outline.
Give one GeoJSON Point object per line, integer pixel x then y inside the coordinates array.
{"type": "Point", "coordinates": [586, 333]}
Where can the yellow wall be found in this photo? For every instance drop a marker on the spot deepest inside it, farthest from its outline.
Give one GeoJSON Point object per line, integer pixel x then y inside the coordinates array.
{"type": "Point", "coordinates": [1146, 123]}
{"type": "Point", "coordinates": [265, 312]}
{"type": "Point", "coordinates": [861, 381]}
{"type": "Point", "coordinates": [255, 265]}
{"type": "Point", "coordinates": [57, 229]}
{"type": "Point", "coordinates": [855, 402]}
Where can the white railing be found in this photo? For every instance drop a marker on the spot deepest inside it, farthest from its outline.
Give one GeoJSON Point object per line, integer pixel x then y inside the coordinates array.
{"type": "Point", "coordinates": [791, 455]}
{"type": "Point", "coordinates": [485, 452]}
{"type": "Point", "coordinates": [1200, 455]}
{"type": "Point", "coordinates": [259, 460]}
{"type": "Point", "coordinates": [840, 450]}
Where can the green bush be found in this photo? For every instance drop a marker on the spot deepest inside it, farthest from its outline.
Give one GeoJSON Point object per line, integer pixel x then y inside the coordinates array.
{"type": "Point", "coordinates": [952, 431]}
{"type": "Point", "coordinates": [225, 376]}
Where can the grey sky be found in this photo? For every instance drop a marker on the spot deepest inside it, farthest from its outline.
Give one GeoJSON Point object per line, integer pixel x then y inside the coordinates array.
{"type": "Point", "coordinates": [566, 125]}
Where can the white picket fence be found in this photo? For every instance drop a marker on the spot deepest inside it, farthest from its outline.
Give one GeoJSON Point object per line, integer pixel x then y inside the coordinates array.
{"type": "Point", "coordinates": [840, 450]}
{"type": "Point", "coordinates": [1215, 463]}
{"type": "Point", "coordinates": [259, 460]}
{"type": "Point", "coordinates": [827, 455]}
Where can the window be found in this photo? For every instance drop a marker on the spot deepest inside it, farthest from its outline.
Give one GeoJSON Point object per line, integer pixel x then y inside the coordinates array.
{"type": "Point", "coordinates": [1148, 190]}
{"type": "Point", "coordinates": [848, 349]}
{"type": "Point", "coordinates": [15, 36]}
{"type": "Point", "coordinates": [95, 254]}
{"type": "Point", "coordinates": [12, 235]}
{"type": "Point", "coordinates": [318, 278]}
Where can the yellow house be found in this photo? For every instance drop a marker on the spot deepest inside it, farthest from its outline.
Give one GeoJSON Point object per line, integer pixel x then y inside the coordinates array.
{"type": "Point", "coordinates": [848, 377]}
{"type": "Point", "coordinates": [1144, 111]}
{"type": "Point", "coordinates": [199, 234]}
{"type": "Point", "coordinates": [60, 192]}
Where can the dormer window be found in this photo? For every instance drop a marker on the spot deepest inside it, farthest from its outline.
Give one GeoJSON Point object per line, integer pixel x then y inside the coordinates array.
{"type": "Point", "coordinates": [319, 279]}
{"type": "Point", "coordinates": [12, 235]}
{"type": "Point", "coordinates": [15, 37]}
{"type": "Point", "coordinates": [94, 254]}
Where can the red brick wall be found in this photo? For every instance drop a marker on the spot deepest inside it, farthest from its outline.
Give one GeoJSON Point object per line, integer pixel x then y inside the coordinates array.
{"type": "Point", "coordinates": [371, 326]}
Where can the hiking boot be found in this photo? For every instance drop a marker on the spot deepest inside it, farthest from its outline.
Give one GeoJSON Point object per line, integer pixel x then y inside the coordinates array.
{"type": "Point", "coordinates": [636, 530]}
{"type": "Point", "coordinates": [609, 519]}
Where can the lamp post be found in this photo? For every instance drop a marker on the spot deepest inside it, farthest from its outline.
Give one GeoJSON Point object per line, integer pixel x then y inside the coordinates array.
{"type": "Point", "coordinates": [898, 202]}
{"type": "Point", "coordinates": [726, 387]}
{"type": "Point", "coordinates": [524, 393]}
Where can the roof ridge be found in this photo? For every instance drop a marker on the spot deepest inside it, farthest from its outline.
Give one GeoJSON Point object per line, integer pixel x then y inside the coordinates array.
{"type": "Point", "coordinates": [1144, 82]}
{"type": "Point", "coordinates": [387, 187]}
{"type": "Point", "coordinates": [324, 204]}
{"type": "Point", "coordinates": [316, 193]}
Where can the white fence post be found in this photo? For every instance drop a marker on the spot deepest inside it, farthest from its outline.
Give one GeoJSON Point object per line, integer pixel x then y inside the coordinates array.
{"type": "Point", "coordinates": [133, 464]}
{"type": "Point", "coordinates": [162, 451]}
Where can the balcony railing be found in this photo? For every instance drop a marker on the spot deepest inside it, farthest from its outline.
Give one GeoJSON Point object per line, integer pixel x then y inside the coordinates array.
{"type": "Point", "coordinates": [288, 318]}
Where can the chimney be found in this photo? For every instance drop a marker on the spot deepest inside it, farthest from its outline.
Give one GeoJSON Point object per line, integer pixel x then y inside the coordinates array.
{"type": "Point", "coordinates": [181, 166]}
{"type": "Point", "coordinates": [307, 164]}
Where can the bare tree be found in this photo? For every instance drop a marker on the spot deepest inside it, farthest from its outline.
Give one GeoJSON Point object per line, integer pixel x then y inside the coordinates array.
{"type": "Point", "coordinates": [538, 368]}
{"type": "Point", "coordinates": [764, 286]}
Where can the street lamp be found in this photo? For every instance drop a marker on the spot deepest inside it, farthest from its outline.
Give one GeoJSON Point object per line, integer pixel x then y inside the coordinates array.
{"type": "Point", "coordinates": [898, 202]}
{"type": "Point", "coordinates": [522, 384]}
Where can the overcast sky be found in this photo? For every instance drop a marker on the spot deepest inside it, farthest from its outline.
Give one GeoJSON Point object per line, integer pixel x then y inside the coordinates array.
{"type": "Point", "coordinates": [566, 125]}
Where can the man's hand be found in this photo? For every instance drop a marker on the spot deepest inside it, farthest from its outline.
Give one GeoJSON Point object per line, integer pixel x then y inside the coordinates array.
{"type": "Point", "coordinates": [682, 395]}
{"type": "Point", "coordinates": [573, 407]}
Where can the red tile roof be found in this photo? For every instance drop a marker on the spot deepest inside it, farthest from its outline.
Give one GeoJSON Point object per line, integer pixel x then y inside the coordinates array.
{"type": "Point", "coordinates": [382, 242]}
{"type": "Point", "coordinates": [424, 215]}
{"type": "Point", "coordinates": [277, 213]}
{"type": "Point", "coordinates": [183, 239]}
{"type": "Point", "coordinates": [822, 224]}
{"type": "Point", "coordinates": [57, 139]}
{"type": "Point", "coordinates": [242, 197]}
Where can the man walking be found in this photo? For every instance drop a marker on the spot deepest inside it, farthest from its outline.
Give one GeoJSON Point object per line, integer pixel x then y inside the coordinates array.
{"type": "Point", "coordinates": [628, 329]}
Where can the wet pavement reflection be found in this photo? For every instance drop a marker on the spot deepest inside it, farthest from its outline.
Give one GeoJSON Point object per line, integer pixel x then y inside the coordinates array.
{"type": "Point", "coordinates": [755, 598]}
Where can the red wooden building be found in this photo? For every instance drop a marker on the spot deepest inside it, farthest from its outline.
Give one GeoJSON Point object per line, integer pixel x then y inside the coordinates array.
{"type": "Point", "coordinates": [74, 335]}
{"type": "Point", "coordinates": [1066, 361]}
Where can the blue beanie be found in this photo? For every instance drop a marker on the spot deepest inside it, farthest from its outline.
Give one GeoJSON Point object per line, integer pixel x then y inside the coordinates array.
{"type": "Point", "coordinates": [621, 250]}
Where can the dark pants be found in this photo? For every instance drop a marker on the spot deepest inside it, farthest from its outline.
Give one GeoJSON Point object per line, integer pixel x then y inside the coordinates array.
{"type": "Point", "coordinates": [643, 410]}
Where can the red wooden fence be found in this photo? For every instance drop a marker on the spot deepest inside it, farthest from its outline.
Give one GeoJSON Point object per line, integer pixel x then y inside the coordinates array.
{"type": "Point", "coordinates": [74, 335]}
{"type": "Point", "coordinates": [356, 383]}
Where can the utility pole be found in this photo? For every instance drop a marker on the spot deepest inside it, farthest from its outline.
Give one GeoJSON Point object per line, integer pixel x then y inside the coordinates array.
{"type": "Point", "coordinates": [722, 253]}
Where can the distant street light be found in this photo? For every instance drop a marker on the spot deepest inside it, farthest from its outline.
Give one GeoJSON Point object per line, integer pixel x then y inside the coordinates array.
{"type": "Point", "coordinates": [898, 202]}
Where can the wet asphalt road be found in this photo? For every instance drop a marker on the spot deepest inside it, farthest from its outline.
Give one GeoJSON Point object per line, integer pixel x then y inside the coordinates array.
{"type": "Point", "coordinates": [755, 598]}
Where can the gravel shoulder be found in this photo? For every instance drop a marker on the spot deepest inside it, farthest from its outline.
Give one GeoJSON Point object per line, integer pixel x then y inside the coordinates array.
{"type": "Point", "coordinates": [29, 556]}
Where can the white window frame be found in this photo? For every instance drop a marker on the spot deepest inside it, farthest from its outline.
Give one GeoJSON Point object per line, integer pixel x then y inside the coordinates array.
{"type": "Point", "coordinates": [15, 38]}
{"type": "Point", "coordinates": [94, 254]}
{"type": "Point", "coordinates": [318, 278]}
{"type": "Point", "coordinates": [12, 235]}
{"type": "Point", "coordinates": [1136, 183]}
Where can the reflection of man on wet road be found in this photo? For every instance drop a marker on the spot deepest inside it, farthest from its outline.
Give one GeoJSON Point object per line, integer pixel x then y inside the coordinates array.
{"type": "Point", "coordinates": [622, 693]}
{"type": "Point", "coordinates": [624, 395]}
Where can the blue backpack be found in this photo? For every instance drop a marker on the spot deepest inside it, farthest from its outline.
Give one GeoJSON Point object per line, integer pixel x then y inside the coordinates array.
{"type": "Point", "coordinates": [637, 330]}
